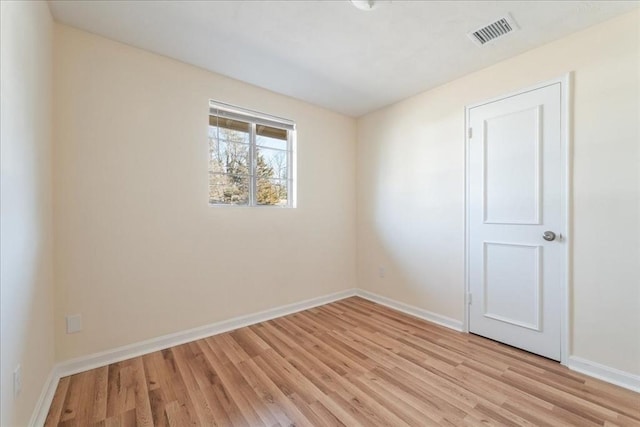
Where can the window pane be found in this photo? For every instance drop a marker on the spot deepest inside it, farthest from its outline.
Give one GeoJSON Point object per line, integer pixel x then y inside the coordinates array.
{"type": "Point", "coordinates": [249, 157]}
{"type": "Point", "coordinates": [228, 157]}
{"type": "Point", "coordinates": [232, 130]}
{"type": "Point", "coordinates": [271, 163]}
{"type": "Point", "coordinates": [271, 137]}
{"type": "Point", "coordinates": [227, 135]}
{"type": "Point", "coordinates": [228, 189]}
{"type": "Point", "coordinates": [273, 192]}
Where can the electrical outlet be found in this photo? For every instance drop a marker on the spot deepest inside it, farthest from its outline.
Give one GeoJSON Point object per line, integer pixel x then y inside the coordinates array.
{"type": "Point", "coordinates": [381, 271]}
{"type": "Point", "coordinates": [74, 323]}
{"type": "Point", "coordinates": [17, 381]}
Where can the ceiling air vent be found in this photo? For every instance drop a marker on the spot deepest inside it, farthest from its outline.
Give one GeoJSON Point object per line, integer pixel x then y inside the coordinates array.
{"type": "Point", "coordinates": [489, 33]}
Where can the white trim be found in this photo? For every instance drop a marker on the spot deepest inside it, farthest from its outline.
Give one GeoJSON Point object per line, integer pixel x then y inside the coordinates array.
{"type": "Point", "coordinates": [41, 410]}
{"type": "Point", "coordinates": [565, 130]}
{"type": "Point", "coordinates": [566, 127]}
{"type": "Point", "coordinates": [104, 358]}
{"type": "Point", "coordinates": [605, 373]}
{"type": "Point", "coordinates": [119, 354]}
{"type": "Point", "coordinates": [411, 310]}
{"type": "Point", "coordinates": [563, 79]}
{"type": "Point", "coordinates": [467, 295]}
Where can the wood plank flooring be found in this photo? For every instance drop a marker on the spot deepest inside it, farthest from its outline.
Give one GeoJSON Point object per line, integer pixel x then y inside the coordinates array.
{"type": "Point", "coordinates": [348, 363]}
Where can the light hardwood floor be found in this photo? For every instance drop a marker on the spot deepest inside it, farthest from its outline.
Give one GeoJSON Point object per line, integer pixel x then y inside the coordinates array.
{"type": "Point", "coordinates": [349, 363]}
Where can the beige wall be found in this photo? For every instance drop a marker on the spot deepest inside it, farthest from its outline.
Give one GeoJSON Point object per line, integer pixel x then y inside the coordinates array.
{"type": "Point", "coordinates": [411, 188]}
{"type": "Point", "coordinates": [26, 291]}
{"type": "Point", "coordinates": [138, 250]}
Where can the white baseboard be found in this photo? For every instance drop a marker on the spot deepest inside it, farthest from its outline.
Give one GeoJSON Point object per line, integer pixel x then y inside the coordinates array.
{"type": "Point", "coordinates": [578, 364]}
{"type": "Point", "coordinates": [119, 354]}
{"type": "Point", "coordinates": [412, 310]}
{"type": "Point", "coordinates": [605, 373]}
{"type": "Point", "coordinates": [43, 404]}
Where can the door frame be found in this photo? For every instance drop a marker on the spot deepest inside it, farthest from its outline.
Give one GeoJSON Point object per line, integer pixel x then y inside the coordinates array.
{"type": "Point", "coordinates": [566, 117]}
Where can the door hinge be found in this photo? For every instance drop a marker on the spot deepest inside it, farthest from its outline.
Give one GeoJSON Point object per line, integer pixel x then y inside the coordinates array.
{"type": "Point", "coordinates": [469, 298]}
{"type": "Point", "coordinates": [470, 133]}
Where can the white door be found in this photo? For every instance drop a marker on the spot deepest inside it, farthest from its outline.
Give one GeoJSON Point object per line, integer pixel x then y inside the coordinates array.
{"type": "Point", "coordinates": [515, 172]}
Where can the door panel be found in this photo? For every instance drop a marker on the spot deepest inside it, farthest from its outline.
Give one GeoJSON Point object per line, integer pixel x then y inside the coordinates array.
{"type": "Point", "coordinates": [515, 178]}
{"type": "Point", "coordinates": [505, 264]}
{"type": "Point", "coordinates": [511, 171]}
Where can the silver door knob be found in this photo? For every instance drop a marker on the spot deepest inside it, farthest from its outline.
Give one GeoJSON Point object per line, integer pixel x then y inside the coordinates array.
{"type": "Point", "coordinates": [549, 236]}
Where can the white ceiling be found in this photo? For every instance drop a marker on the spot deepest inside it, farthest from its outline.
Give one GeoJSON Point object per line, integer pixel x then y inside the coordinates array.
{"type": "Point", "coordinates": [328, 52]}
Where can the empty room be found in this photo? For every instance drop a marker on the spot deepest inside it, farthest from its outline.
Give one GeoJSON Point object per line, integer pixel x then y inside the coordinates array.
{"type": "Point", "coordinates": [320, 213]}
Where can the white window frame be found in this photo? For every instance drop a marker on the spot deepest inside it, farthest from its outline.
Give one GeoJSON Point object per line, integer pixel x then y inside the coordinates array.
{"type": "Point", "coordinates": [221, 109]}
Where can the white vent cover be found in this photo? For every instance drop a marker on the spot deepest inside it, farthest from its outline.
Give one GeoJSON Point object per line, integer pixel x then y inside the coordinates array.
{"type": "Point", "coordinates": [493, 31]}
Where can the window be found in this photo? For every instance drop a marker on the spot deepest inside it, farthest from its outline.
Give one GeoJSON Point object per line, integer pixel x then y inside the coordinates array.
{"type": "Point", "coordinates": [251, 158]}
